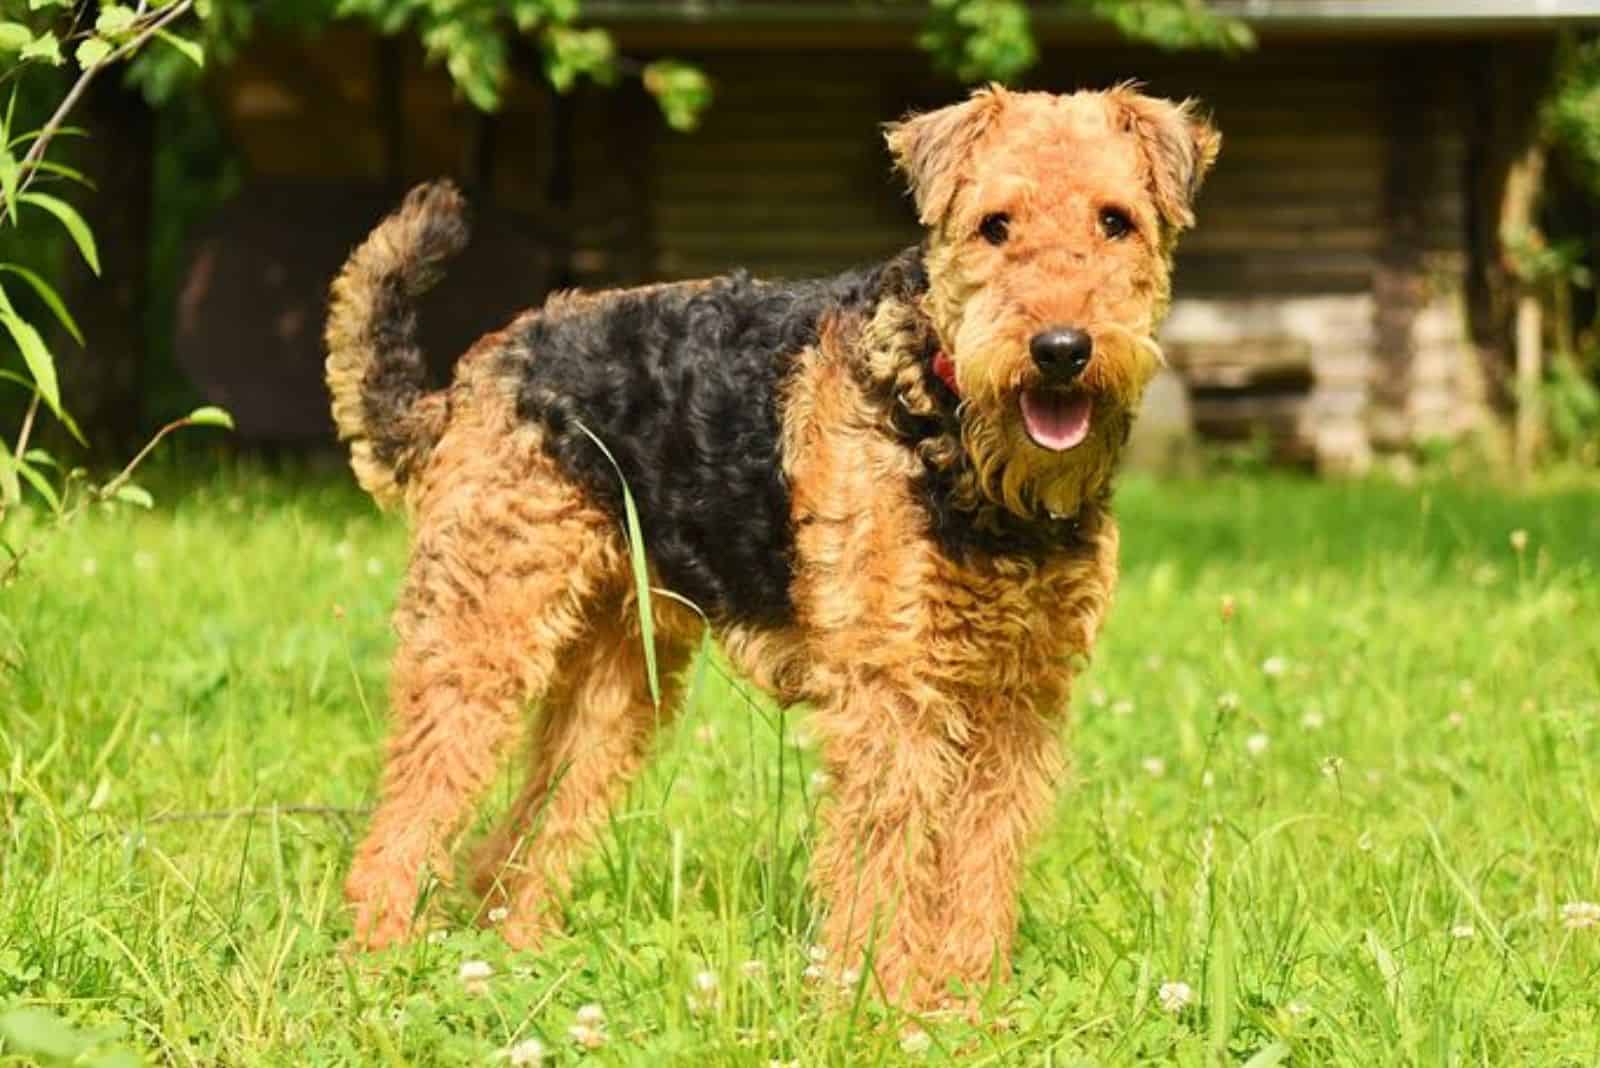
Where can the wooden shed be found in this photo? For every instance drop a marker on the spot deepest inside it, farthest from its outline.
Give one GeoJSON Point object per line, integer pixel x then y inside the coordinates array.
{"type": "Point", "coordinates": [1344, 292]}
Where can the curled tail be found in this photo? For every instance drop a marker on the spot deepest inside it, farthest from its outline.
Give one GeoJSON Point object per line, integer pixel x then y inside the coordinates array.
{"type": "Point", "coordinates": [375, 369]}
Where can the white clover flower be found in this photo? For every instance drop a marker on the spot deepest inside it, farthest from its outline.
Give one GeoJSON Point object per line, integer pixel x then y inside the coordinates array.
{"type": "Point", "coordinates": [1456, 720]}
{"type": "Point", "coordinates": [1228, 702]}
{"type": "Point", "coordinates": [530, 1051]}
{"type": "Point", "coordinates": [818, 954]}
{"type": "Point", "coordinates": [498, 914]}
{"type": "Point", "coordinates": [591, 1015]}
{"type": "Point", "coordinates": [586, 1036]}
{"type": "Point", "coordinates": [1332, 766]}
{"type": "Point", "coordinates": [1257, 744]}
{"type": "Point", "coordinates": [1463, 931]}
{"type": "Point", "coordinates": [1154, 766]}
{"type": "Point", "coordinates": [439, 937]}
{"type": "Point", "coordinates": [1274, 666]}
{"type": "Point", "coordinates": [705, 734]}
{"type": "Point", "coordinates": [475, 975]}
{"type": "Point", "coordinates": [849, 977]}
{"type": "Point", "coordinates": [814, 973]}
{"type": "Point", "coordinates": [1298, 1009]}
{"type": "Point", "coordinates": [753, 969]}
{"type": "Point", "coordinates": [819, 779]}
{"type": "Point", "coordinates": [1576, 914]}
{"type": "Point", "coordinates": [1313, 720]}
{"type": "Point", "coordinates": [915, 1040]}
{"type": "Point", "coordinates": [1122, 708]}
{"type": "Point", "coordinates": [703, 997]}
{"type": "Point", "coordinates": [1175, 996]}
{"type": "Point", "coordinates": [1519, 541]}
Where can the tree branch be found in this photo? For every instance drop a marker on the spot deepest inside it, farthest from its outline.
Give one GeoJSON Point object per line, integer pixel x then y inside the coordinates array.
{"type": "Point", "coordinates": [36, 151]}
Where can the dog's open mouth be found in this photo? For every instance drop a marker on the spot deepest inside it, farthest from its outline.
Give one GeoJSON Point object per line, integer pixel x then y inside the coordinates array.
{"type": "Point", "coordinates": [1055, 419]}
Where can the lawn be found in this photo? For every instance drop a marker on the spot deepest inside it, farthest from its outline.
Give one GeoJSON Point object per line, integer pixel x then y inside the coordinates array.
{"type": "Point", "coordinates": [1337, 773]}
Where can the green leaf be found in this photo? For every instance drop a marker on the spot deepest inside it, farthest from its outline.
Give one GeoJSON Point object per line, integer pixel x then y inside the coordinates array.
{"type": "Point", "coordinates": [40, 5]}
{"type": "Point", "coordinates": [60, 131]}
{"type": "Point", "coordinates": [14, 37]}
{"type": "Point", "coordinates": [1269, 1056]}
{"type": "Point", "coordinates": [10, 176]}
{"type": "Point", "coordinates": [682, 92]}
{"type": "Point", "coordinates": [114, 19]}
{"type": "Point", "coordinates": [210, 415]}
{"type": "Point", "coordinates": [50, 166]}
{"type": "Point", "coordinates": [41, 365]}
{"type": "Point", "coordinates": [131, 494]}
{"type": "Point", "coordinates": [10, 487]}
{"type": "Point", "coordinates": [48, 295]}
{"type": "Point", "coordinates": [40, 484]}
{"type": "Point", "coordinates": [114, 1058]}
{"type": "Point", "coordinates": [41, 1034]}
{"type": "Point", "coordinates": [190, 49]}
{"type": "Point", "coordinates": [641, 570]}
{"type": "Point", "coordinates": [92, 53]}
{"type": "Point", "coordinates": [44, 47]}
{"type": "Point", "coordinates": [81, 235]}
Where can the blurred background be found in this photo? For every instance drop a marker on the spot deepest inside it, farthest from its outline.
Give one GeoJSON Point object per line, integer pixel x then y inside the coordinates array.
{"type": "Point", "coordinates": [1392, 259]}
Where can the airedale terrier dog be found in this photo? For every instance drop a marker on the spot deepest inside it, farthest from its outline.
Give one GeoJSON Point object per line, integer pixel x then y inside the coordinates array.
{"type": "Point", "coordinates": [888, 492]}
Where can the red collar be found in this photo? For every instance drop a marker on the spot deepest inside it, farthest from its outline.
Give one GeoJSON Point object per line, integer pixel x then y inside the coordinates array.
{"type": "Point", "coordinates": [945, 368]}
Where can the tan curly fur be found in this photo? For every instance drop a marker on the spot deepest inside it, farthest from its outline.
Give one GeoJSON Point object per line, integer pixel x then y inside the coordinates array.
{"type": "Point", "coordinates": [940, 681]}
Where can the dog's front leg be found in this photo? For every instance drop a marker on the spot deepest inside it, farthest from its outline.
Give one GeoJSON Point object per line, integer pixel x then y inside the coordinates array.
{"type": "Point", "coordinates": [877, 867]}
{"type": "Point", "coordinates": [1012, 766]}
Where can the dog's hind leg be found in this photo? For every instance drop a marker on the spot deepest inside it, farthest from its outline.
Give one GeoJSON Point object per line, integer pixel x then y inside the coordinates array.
{"type": "Point", "coordinates": [593, 734]}
{"type": "Point", "coordinates": [508, 562]}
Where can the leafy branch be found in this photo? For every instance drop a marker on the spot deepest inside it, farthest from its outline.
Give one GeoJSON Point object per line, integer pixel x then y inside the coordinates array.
{"type": "Point", "coordinates": [119, 33]}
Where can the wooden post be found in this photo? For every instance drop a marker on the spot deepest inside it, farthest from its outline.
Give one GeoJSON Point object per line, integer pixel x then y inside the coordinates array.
{"type": "Point", "coordinates": [1518, 224]}
{"type": "Point", "coordinates": [1530, 373]}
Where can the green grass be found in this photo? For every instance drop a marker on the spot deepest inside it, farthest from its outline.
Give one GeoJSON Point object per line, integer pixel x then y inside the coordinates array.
{"type": "Point", "coordinates": [1290, 810]}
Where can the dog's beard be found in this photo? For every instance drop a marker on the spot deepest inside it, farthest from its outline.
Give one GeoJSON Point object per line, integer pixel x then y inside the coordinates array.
{"type": "Point", "coordinates": [1031, 482]}
{"type": "Point", "coordinates": [1039, 451]}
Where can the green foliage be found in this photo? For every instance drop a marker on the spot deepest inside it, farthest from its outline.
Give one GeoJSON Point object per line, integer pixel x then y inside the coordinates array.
{"type": "Point", "coordinates": [118, 33]}
{"type": "Point", "coordinates": [980, 39]}
{"type": "Point", "coordinates": [983, 40]}
{"type": "Point", "coordinates": [47, 1040]}
{"type": "Point", "coordinates": [1572, 111]}
{"type": "Point", "coordinates": [1570, 401]}
{"type": "Point", "coordinates": [473, 40]}
{"type": "Point", "coordinates": [1174, 24]}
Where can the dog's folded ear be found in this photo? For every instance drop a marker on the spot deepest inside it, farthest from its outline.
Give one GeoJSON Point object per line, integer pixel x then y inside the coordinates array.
{"type": "Point", "coordinates": [934, 149]}
{"type": "Point", "coordinates": [1179, 145]}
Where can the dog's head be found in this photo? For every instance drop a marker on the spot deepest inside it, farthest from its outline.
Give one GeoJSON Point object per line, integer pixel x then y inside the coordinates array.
{"type": "Point", "coordinates": [1051, 224]}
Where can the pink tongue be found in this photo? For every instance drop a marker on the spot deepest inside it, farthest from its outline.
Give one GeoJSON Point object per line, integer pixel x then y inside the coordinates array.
{"type": "Point", "coordinates": [1056, 421]}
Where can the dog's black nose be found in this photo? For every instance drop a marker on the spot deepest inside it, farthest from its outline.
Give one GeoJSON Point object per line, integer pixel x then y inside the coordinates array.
{"type": "Point", "coordinates": [1062, 352]}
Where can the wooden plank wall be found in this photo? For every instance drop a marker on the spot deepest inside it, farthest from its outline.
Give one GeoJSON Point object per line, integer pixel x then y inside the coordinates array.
{"type": "Point", "coordinates": [1275, 327]}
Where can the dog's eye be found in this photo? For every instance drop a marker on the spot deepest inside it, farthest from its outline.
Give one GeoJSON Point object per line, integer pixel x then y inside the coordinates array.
{"type": "Point", "coordinates": [995, 228]}
{"type": "Point", "coordinates": [1115, 224]}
